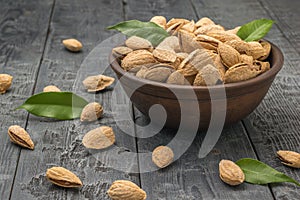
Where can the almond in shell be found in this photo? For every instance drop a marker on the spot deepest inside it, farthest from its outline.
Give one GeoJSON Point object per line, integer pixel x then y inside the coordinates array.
{"type": "Point", "coordinates": [246, 59]}
{"type": "Point", "coordinates": [221, 68]}
{"type": "Point", "coordinates": [63, 177]}
{"type": "Point", "coordinates": [267, 46]}
{"type": "Point", "coordinates": [19, 136]}
{"type": "Point", "coordinates": [190, 26]}
{"type": "Point", "coordinates": [159, 20]}
{"type": "Point", "coordinates": [223, 36]}
{"type": "Point", "coordinates": [289, 158]}
{"type": "Point", "coordinates": [256, 50]}
{"type": "Point", "coordinates": [141, 73]}
{"type": "Point", "coordinates": [5, 82]}
{"type": "Point", "coordinates": [99, 138]}
{"type": "Point", "coordinates": [240, 72]}
{"type": "Point", "coordinates": [171, 42]}
{"type": "Point", "coordinates": [51, 88]}
{"type": "Point", "coordinates": [231, 173]}
{"type": "Point", "coordinates": [91, 112]}
{"type": "Point", "coordinates": [126, 190]}
{"type": "Point", "coordinates": [229, 55]}
{"type": "Point", "coordinates": [208, 42]}
{"type": "Point", "coordinates": [207, 76]}
{"type": "Point", "coordinates": [135, 43]}
{"type": "Point", "coordinates": [165, 54]}
{"type": "Point", "coordinates": [72, 45]}
{"type": "Point", "coordinates": [138, 58]}
{"type": "Point", "coordinates": [121, 51]}
{"type": "Point", "coordinates": [239, 45]}
{"type": "Point", "coordinates": [200, 58]}
{"type": "Point", "coordinates": [158, 73]}
{"type": "Point", "coordinates": [204, 21]}
{"type": "Point", "coordinates": [177, 78]}
{"type": "Point", "coordinates": [162, 156]}
{"type": "Point", "coordinates": [187, 41]}
{"type": "Point", "coordinates": [97, 83]}
{"type": "Point", "coordinates": [209, 28]}
{"type": "Point", "coordinates": [261, 66]}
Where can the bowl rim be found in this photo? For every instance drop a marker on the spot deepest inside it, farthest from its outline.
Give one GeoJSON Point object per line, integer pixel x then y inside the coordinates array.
{"type": "Point", "coordinates": [275, 68]}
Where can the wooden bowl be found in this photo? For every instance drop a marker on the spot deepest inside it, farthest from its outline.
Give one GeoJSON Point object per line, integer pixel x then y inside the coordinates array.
{"type": "Point", "coordinates": [241, 98]}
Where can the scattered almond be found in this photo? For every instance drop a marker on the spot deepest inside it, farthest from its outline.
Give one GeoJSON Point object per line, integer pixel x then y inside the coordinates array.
{"type": "Point", "coordinates": [289, 158]}
{"type": "Point", "coordinates": [5, 82]}
{"type": "Point", "coordinates": [51, 88]}
{"type": "Point", "coordinates": [99, 138]}
{"type": "Point", "coordinates": [162, 156]}
{"type": "Point", "coordinates": [231, 173]}
{"type": "Point", "coordinates": [63, 177]}
{"type": "Point", "coordinates": [126, 190]}
{"type": "Point", "coordinates": [19, 136]}
{"type": "Point", "coordinates": [72, 45]}
{"type": "Point", "coordinates": [91, 112]}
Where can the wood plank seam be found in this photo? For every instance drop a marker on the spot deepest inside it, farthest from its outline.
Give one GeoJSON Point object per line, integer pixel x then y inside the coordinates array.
{"type": "Point", "coordinates": [33, 90]}
{"type": "Point", "coordinates": [124, 5]}
{"type": "Point", "coordinates": [255, 151]}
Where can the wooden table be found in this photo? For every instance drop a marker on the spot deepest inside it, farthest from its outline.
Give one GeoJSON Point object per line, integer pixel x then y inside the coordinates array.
{"type": "Point", "coordinates": [31, 51]}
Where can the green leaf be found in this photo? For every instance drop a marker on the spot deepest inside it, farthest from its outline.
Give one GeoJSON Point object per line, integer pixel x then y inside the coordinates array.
{"type": "Point", "coordinates": [147, 30]}
{"type": "Point", "coordinates": [255, 30]}
{"type": "Point", "coordinates": [257, 172]}
{"type": "Point", "coordinates": [58, 105]}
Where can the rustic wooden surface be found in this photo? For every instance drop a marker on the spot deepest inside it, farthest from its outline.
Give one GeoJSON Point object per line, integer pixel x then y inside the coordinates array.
{"type": "Point", "coordinates": [31, 51]}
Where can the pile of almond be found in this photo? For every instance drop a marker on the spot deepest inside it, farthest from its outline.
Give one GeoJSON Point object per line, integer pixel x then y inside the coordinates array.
{"type": "Point", "coordinates": [198, 53]}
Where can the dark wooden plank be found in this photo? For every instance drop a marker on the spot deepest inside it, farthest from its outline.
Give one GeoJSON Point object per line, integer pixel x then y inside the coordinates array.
{"type": "Point", "coordinates": [59, 142]}
{"type": "Point", "coordinates": [23, 30]}
{"type": "Point", "coordinates": [190, 177]}
{"type": "Point", "coordinates": [274, 124]}
{"type": "Point", "coordinates": [286, 15]}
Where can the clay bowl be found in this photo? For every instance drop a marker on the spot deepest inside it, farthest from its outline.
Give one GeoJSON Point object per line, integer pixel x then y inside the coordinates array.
{"type": "Point", "coordinates": [195, 102]}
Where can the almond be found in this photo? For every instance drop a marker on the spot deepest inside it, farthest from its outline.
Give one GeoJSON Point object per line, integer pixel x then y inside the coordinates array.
{"type": "Point", "coordinates": [289, 158]}
{"type": "Point", "coordinates": [19, 136]}
{"type": "Point", "coordinates": [72, 45]}
{"type": "Point", "coordinates": [135, 43]}
{"type": "Point", "coordinates": [137, 58]}
{"type": "Point", "coordinates": [126, 190]}
{"type": "Point", "coordinates": [97, 83]}
{"type": "Point", "coordinates": [159, 20]}
{"type": "Point", "coordinates": [162, 156]}
{"type": "Point", "coordinates": [99, 138]}
{"type": "Point", "coordinates": [5, 82]}
{"type": "Point", "coordinates": [63, 177]}
{"type": "Point", "coordinates": [229, 56]}
{"type": "Point", "coordinates": [51, 88]}
{"type": "Point", "coordinates": [207, 76]}
{"type": "Point", "coordinates": [91, 112]}
{"type": "Point", "coordinates": [231, 173]}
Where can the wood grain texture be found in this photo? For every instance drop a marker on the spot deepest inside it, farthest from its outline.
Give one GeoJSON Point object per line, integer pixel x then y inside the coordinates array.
{"type": "Point", "coordinates": [190, 177]}
{"type": "Point", "coordinates": [58, 143]}
{"type": "Point", "coordinates": [286, 15]}
{"type": "Point", "coordinates": [23, 30]}
{"type": "Point", "coordinates": [274, 124]}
